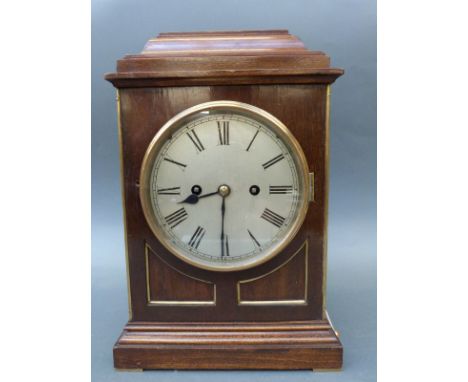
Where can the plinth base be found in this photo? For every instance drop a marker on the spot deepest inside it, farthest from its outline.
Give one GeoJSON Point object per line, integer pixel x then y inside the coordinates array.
{"type": "Point", "coordinates": [273, 346]}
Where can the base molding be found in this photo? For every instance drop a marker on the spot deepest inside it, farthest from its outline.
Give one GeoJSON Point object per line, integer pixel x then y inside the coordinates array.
{"type": "Point", "coordinates": [270, 346]}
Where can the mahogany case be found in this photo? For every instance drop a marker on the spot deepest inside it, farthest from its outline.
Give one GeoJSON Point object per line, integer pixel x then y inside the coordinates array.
{"type": "Point", "coordinates": [272, 316]}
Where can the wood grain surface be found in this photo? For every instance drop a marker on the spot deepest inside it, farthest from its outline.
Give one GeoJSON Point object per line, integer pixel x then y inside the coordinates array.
{"type": "Point", "coordinates": [275, 346]}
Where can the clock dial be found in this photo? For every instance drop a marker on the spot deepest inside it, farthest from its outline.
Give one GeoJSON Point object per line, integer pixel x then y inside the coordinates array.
{"type": "Point", "coordinates": [224, 186]}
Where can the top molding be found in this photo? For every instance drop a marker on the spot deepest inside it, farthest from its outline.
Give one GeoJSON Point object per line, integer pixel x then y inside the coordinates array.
{"type": "Point", "coordinates": [245, 43]}
{"type": "Point", "coordinates": [231, 57]}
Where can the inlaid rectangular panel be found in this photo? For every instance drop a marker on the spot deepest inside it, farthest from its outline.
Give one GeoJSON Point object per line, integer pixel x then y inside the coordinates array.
{"type": "Point", "coordinates": [284, 285]}
{"type": "Point", "coordinates": [167, 286]}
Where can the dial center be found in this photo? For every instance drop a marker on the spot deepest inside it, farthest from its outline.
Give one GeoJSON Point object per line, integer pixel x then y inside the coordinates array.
{"type": "Point", "coordinates": [224, 190]}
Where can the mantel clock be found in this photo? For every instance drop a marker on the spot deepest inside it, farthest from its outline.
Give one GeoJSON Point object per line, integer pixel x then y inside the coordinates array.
{"type": "Point", "coordinates": [224, 150]}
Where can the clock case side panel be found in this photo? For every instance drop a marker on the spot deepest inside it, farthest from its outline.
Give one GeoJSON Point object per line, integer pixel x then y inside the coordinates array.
{"type": "Point", "coordinates": [143, 111]}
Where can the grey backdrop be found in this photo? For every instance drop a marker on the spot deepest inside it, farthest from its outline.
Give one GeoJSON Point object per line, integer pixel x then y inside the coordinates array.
{"type": "Point", "coordinates": [346, 30]}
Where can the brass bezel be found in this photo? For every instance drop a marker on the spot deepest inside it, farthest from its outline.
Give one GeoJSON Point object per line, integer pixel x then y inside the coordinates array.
{"type": "Point", "coordinates": [242, 108]}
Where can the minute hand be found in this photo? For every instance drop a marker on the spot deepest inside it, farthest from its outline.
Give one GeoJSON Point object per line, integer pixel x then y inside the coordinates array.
{"type": "Point", "coordinates": [223, 211]}
{"type": "Point", "coordinates": [193, 198]}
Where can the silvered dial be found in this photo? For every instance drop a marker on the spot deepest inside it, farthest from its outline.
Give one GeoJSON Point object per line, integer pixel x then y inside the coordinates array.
{"type": "Point", "coordinates": [225, 186]}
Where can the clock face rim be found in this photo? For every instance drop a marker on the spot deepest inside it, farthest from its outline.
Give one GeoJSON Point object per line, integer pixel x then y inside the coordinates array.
{"type": "Point", "coordinates": [270, 122]}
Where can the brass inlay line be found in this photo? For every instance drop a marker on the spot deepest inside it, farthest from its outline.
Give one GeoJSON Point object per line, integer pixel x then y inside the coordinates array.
{"type": "Point", "coordinates": [122, 185]}
{"type": "Point", "coordinates": [279, 302]}
{"type": "Point", "coordinates": [331, 324]}
{"type": "Point", "coordinates": [151, 302]}
{"type": "Point", "coordinates": [327, 190]}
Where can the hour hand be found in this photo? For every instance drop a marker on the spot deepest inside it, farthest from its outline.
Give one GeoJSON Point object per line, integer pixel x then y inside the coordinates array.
{"type": "Point", "coordinates": [193, 198]}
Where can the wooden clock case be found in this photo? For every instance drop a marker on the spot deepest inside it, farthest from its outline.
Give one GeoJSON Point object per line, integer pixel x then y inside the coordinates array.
{"type": "Point", "coordinates": [272, 316]}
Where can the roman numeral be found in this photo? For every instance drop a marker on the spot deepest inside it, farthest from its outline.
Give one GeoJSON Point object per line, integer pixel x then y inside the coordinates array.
{"type": "Point", "coordinates": [169, 191]}
{"type": "Point", "coordinates": [271, 162]}
{"type": "Point", "coordinates": [195, 140]}
{"type": "Point", "coordinates": [256, 243]}
{"type": "Point", "coordinates": [273, 217]}
{"type": "Point", "coordinates": [281, 189]}
{"type": "Point", "coordinates": [223, 131]}
{"type": "Point", "coordinates": [253, 139]}
{"type": "Point", "coordinates": [175, 162]}
{"type": "Point", "coordinates": [194, 242]}
{"type": "Point", "coordinates": [176, 217]}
